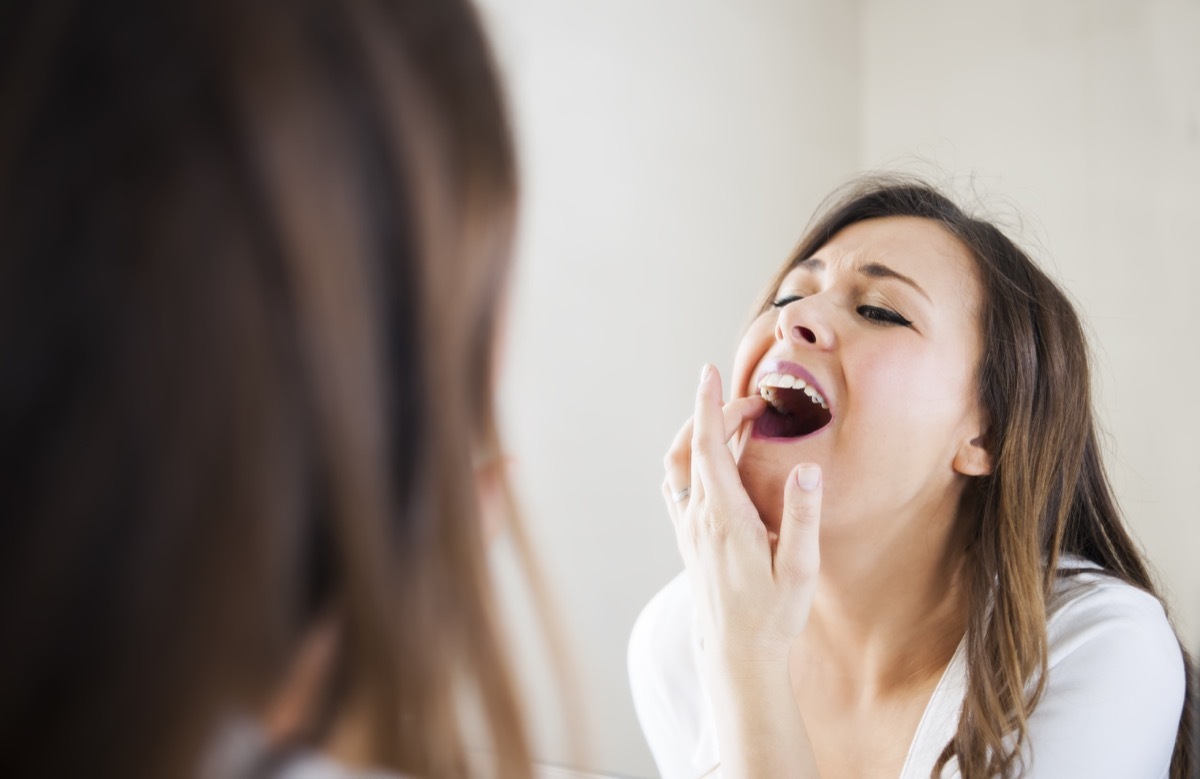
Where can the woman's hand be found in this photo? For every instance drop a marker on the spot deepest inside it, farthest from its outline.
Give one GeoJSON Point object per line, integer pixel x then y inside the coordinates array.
{"type": "Point", "coordinates": [753, 593]}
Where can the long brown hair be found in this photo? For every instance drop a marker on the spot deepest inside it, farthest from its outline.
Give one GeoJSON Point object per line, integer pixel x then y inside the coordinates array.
{"type": "Point", "coordinates": [252, 255]}
{"type": "Point", "coordinates": [1048, 494]}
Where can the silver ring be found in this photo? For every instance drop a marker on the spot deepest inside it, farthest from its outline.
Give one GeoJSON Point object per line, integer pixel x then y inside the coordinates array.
{"type": "Point", "coordinates": [682, 494]}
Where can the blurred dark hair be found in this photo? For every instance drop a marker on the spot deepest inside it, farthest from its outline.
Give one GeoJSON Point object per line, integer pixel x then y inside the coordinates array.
{"type": "Point", "coordinates": [252, 256]}
{"type": "Point", "coordinates": [1048, 494]}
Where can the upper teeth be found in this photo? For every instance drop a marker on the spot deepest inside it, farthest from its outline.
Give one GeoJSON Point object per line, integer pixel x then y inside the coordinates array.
{"type": "Point", "coordinates": [771, 381]}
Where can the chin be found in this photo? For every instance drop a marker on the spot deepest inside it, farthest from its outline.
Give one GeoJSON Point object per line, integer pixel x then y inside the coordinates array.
{"type": "Point", "coordinates": [764, 468]}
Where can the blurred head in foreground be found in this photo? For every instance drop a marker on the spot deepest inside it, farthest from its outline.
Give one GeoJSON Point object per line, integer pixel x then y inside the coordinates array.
{"type": "Point", "coordinates": [252, 257]}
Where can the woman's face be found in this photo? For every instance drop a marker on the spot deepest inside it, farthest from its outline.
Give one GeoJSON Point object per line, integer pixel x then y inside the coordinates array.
{"type": "Point", "coordinates": [882, 321]}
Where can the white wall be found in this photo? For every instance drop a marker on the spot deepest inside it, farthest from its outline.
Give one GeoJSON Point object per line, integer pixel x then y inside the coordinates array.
{"type": "Point", "coordinates": [672, 152]}
{"type": "Point", "coordinates": [1083, 116]}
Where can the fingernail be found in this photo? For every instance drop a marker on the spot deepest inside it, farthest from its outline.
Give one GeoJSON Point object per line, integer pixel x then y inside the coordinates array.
{"type": "Point", "coordinates": [707, 369]}
{"type": "Point", "coordinates": [808, 477]}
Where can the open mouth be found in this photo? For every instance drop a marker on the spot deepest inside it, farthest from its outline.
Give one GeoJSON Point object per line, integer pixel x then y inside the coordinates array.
{"type": "Point", "coordinates": [794, 409]}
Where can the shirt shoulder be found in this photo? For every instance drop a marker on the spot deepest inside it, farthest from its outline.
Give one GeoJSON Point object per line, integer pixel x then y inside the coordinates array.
{"type": "Point", "coordinates": [1090, 607]}
{"type": "Point", "coordinates": [1113, 659]}
{"type": "Point", "coordinates": [664, 677]}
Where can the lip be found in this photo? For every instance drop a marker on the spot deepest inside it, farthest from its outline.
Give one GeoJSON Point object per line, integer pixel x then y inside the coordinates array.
{"type": "Point", "coordinates": [799, 371]}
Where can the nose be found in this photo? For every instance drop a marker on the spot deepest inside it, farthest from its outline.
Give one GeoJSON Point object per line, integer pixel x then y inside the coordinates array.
{"type": "Point", "coordinates": [802, 324]}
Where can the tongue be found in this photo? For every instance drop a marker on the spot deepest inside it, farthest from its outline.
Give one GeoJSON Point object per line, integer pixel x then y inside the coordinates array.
{"type": "Point", "coordinates": [774, 424]}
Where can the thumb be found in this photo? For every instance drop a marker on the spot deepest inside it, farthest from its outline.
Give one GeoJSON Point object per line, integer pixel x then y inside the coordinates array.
{"type": "Point", "coordinates": [798, 554]}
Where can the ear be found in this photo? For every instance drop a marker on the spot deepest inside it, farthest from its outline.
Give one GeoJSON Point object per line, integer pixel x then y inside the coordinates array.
{"type": "Point", "coordinates": [973, 457]}
{"type": "Point", "coordinates": [491, 472]}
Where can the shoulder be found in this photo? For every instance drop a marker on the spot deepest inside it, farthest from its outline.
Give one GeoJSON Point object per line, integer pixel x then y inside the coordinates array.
{"type": "Point", "coordinates": [663, 674]}
{"type": "Point", "coordinates": [664, 677]}
{"type": "Point", "coordinates": [1090, 608]}
{"type": "Point", "coordinates": [1114, 659]}
{"type": "Point", "coordinates": [240, 748]}
{"type": "Point", "coordinates": [665, 623]}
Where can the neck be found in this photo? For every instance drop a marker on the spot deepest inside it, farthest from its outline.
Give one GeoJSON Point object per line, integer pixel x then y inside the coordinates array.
{"type": "Point", "coordinates": [887, 614]}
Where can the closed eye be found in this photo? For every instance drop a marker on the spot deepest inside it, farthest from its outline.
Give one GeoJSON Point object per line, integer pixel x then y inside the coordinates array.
{"type": "Point", "coordinates": [882, 316]}
{"type": "Point", "coordinates": [785, 300]}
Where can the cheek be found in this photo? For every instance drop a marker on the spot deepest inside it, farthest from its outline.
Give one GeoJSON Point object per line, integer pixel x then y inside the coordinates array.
{"type": "Point", "coordinates": [753, 347]}
{"type": "Point", "coordinates": [920, 395]}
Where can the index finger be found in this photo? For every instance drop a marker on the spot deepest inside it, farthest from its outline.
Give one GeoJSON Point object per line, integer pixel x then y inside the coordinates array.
{"type": "Point", "coordinates": [739, 411]}
{"type": "Point", "coordinates": [711, 459]}
{"type": "Point", "coordinates": [735, 413]}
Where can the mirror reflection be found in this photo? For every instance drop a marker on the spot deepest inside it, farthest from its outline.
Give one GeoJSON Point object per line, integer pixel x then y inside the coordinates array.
{"type": "Point", "coordinates": [696, 146]}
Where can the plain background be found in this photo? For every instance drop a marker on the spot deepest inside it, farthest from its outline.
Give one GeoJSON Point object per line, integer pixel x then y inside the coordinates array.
{"type": "Point", "coordinates": [672, 153]}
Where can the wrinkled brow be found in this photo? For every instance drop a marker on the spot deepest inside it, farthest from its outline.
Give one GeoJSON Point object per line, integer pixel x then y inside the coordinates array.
{"type": "Point", "coordinates": [877, 270]}
{"type": "Point", "coordinates": [874, 270]}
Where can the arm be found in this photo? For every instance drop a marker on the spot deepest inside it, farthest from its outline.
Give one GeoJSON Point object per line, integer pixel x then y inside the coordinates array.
{"type": "Point", "coordinates": [752, 600]}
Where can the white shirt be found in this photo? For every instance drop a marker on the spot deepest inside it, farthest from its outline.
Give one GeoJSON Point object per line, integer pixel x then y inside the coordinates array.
{"type": "Point", "coordinates": [1111, 706]}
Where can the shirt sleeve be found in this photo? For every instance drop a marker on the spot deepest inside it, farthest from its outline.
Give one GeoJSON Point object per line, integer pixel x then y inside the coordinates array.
{"type": "Point", "coordinates": [1115, 687]}
{"type": "Point", "coordinates": [664, 678]}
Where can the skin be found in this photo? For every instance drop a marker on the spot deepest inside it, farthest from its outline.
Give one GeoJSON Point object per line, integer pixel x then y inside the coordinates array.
{"type": "Point", "coordinates": [829, 612]}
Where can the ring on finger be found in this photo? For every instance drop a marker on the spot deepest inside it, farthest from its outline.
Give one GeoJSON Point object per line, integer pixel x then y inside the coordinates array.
{"type": "Point", "coordinates": [681, 495]}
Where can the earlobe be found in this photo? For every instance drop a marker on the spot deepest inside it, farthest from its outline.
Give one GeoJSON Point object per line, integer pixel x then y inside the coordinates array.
{"type": "Point", "coordinates": [973, 457]}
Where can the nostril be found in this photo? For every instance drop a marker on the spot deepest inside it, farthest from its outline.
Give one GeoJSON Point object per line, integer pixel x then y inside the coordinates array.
{"type": "Point", "coordinates": [805, 333]}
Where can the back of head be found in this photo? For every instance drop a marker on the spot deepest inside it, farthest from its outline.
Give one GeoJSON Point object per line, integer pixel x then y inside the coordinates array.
{"type": "Point", "coordinates": [251, 257]}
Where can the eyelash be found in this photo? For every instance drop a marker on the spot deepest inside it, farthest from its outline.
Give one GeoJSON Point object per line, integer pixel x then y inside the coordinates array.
{"type": "Point", "coordinates": [883, 316]}
{"type": "Point", "coordinates": [875, 314]}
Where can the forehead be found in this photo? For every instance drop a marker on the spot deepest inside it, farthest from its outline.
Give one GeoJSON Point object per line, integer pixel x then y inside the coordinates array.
{"type": "Point", "coordinates": [921, 249]}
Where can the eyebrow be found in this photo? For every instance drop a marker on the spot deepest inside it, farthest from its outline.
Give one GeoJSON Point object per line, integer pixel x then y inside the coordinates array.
{"type": "Point", "coordinates": [873, 270]}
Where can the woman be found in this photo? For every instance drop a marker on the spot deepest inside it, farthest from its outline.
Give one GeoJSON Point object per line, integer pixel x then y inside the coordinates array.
{"type": "Point", "coordinates": [252, 257]}
{"type": "Point", "coordinates": [910, 562]}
